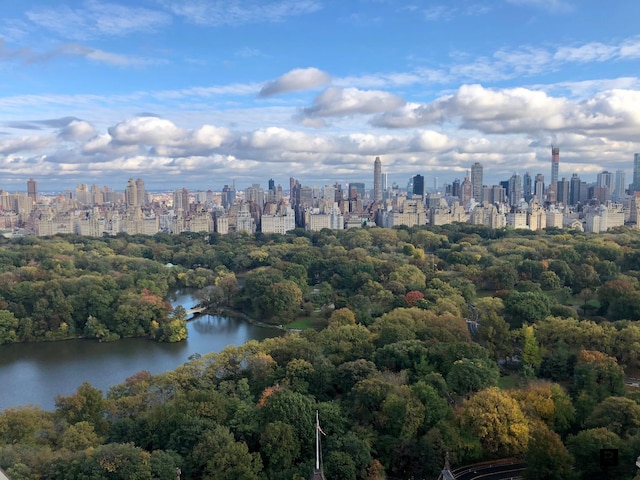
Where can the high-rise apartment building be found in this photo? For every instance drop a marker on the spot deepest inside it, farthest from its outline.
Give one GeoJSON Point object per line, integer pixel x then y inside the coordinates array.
{"type": "Point", "coordinates": [476, 181]}
{"type": "Point", "coordinates": [141, 194]}
{"type": "Point", "coordinates": [538, 187]}
{"type": "Point", "coordinates": [82, 194]}
{"type": "Point", "coordinates": [619, 186]}
{"type": "Point", "coordinates": [131, 193]}
{"type": "Point", "coordinates": [356, 190]}
{"type": "Point", "coordinates": [562, 189]}
{"type": "Point", "coordinates": [456, 190]}
{"type": "Point", "coordinates": [574, 189]}
{"type": "Point", "coordinates": [377, 180]}
{"type": "Point", "coordinates": [32, 191]}
{"type": "Point", "coordinates": [466, 190]}
{"type": "Point", "coordinates": [605, 179]}
{"type": "Point", "coordinates": [515, 189]}
{"type": "Point", "coordinates": [228, 196]}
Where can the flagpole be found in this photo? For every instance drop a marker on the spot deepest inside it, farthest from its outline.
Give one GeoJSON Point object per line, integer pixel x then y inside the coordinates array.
{"type": "Point", "coordinates": [317, 441]}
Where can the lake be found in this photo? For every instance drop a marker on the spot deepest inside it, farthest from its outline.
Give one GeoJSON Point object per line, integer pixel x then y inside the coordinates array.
{"type": "Point", "coordinates": [34, 373]}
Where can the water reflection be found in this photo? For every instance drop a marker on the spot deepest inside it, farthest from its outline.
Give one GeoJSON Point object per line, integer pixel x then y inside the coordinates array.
{"type": "Point", "coordinates": [36, 373]}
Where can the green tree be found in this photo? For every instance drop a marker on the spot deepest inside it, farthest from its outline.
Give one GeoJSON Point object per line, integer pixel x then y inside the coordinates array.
{"type": "Point", "coordinates": [585, 447]}
{"type": "Point", "coordinates": [280, 447]}
{"type": "Point", "coordinates": [79, 436]}
{"type": "Point", "coordinates": [340, 465]}
{"type": "Point", "coordinates": [546, 456]}
{"type": "Point", "coordinates": [497, 420]}
{"type": "Point", "coordinates": [410, 276]}
{"type": "Point", "coordinates": [281, 301]}
{"type": "Point", "coordinates": [598, 375]}
{"type": "Point", "coordinates": [493, 332]}
{"type": "Point", "coordinates": [499, 277]}
{"type": "Point", "coordinates": [550, 280]}
{"type": "Point", "coordinates": [618, 414]}
{"type": "Point", "coordinates": [531, 351]}
{"type": "Point", "coordinates": [472, 375]}
{"type": "Point", "coordinates": [86, 405]}
{"type": "Point", "coordinates": [526, 307]}
{"type": "Point", "coordinates": [8, 327]}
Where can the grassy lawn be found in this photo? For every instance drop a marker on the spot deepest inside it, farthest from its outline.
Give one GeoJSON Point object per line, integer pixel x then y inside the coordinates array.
{"type": "Point", "coordinates": [300, 324]}
{"type": "Point", "coordinates": [513, 380]}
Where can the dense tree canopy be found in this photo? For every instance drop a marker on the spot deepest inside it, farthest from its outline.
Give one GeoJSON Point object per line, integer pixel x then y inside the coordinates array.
{"type": "Point", "coordinates": [422, 341]}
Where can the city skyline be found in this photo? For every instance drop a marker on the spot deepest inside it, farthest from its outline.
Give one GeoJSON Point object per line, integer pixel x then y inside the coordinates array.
{"type": "Point", "coordinates": [193, 94]}
{"type": "Point", "coordinates": [378, 186]}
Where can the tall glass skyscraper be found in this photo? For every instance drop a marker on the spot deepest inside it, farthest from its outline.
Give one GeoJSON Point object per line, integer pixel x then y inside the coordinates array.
{"type": "Point", "coordinates": [418, 187]}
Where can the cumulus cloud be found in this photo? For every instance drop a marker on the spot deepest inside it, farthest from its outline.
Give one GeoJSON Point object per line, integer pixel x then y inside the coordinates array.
{"type": "Point", "coordinates": [521, 110]}
{"type": "Point", "coordinates": [297, 79]}
{"type": "Point", "coordinates": [77, 130]}
{"type": "Point", "coordinates": [146, 130]}
{"type": "Point", "coordinates": [342, 102]}
{"type": "Point", "coordinates": [157, 137]}
{"type": "Point", "coordinates": [24, 144]}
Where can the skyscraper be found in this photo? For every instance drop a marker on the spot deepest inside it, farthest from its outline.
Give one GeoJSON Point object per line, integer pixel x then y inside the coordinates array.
{"type": "Point", "coordinates": [636, 172]}
{"type": "Point", "coordinates": [32, 191]}
{"type": "Point", "coordinates": [527, 186]}
{"type": "Point", "coordinates": [605, 179]}
{"type": "Point", "coordinates": [418, 187]}
{"type": "Point", "coordinates": [466, 190]}
{"type": "Point", "coordinates": [515, 189]}
{"type": "Point", "coordinates": [538, 187]}
{"type": "Point", "coordinates": [131, 193]}
{"type": "Point", "coordinates": [377, 180]}
{"type": "Point", "coordinates": [574, 189]}
{"type": "Point", "coordinates": [562, 190]}
{"type": "Point", "coordinates": [141, 194]}
{"type": "Point", "coordinates": [476, 181]}
{"type": "Point", "coordinates": [619, 186]}
{"type": "Point", "coordinates": [555, 164]}
{"type": "Point", "coordinates": [552, 191]}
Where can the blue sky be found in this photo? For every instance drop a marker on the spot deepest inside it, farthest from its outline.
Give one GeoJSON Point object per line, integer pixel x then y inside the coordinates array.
{"type": "Point", "coordinates": [196, 93]}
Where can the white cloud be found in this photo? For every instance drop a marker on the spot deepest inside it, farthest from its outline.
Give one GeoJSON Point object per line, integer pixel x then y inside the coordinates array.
{"type": "Point", "coordinates": [439, 13]}
{"type": "Point", "coordinates": [238, 12]}
{"type": "Point", "coordinates": [77, 130]}
{"type": "Point", "coordinates": [613, 113]}
{"type": "Point", "coordinates": [340, 102]}
{"type": "Point", "coordinates": [297, 79]}
{"type": "Point", "coordinates": [28, 55]}
{"type": "Point", "coordinates": [24, 144]}
{"type": "Point", "coordinates": [101, 56]}
{"type": "Point", "coordinates": [96, 19]}
{"type": "Point", "coordinates": [555, 6]}
{"type": "Point", "coordinates": [146, 131]}
{"type": "Point", "coordinates": [590, 52]}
